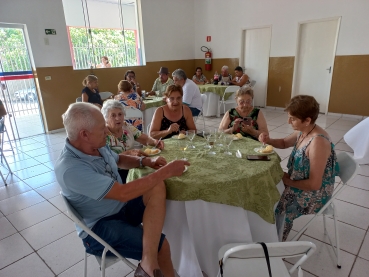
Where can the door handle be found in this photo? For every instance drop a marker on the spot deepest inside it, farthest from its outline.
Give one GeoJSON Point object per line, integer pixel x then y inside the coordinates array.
{"type": "Point", "coordinates": [329, 69]}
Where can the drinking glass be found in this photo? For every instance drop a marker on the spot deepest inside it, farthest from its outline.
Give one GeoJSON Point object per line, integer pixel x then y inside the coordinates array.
{"type": "Point", "coordinates": [191, 134]}
{"type": "Point", "coordinates": [228, 141]}
{"type": "Point", "coordinates": [206, 135]}
{"type": "Point", "coordinates": [219, 137]}
{"type": "Point", "coordinates": [211, 142]}
{"type": "Point", "coordinates": [182, 145]}
{"type": "Point", "coordinates": [157, 93]}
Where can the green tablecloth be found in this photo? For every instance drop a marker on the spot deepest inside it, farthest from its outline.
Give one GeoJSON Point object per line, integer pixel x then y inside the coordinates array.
{"type": "Point", "coordinates": [154, 103]}
{"type": "Point", "coordinates": [223, 179]}
{"type": "Point", "coordinates": [215, 89]}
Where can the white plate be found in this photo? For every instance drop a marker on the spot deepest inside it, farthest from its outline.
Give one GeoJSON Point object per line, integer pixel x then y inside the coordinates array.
{"type": "Point", "coordinates": [259, 148]}
{"type": "Point", "coordinates": [236, 138]}
{"type": "Point", "coordinates": [154, 154]}
{"type": "Point", "coordinates": [176, 137]}
{"type": "Point", "coordinates": [186, 167]}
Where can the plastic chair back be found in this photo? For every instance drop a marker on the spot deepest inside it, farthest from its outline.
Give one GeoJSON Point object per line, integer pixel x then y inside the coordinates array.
{"type": "Point", "coordinates": [348, 167]}
{"type": "Point", "coordinates": [252, 83]}
{"type": "Point", "coordinates": [132, 112]}
{"type": "Point", "coordinates": [79, 99]}
{"type": "Point", "coordinates": [105, 95]}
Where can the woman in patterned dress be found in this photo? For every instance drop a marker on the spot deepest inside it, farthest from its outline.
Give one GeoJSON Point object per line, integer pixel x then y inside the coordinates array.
{"type": "Point", "coordinates": [122, 135]}
{"type": "Point", "coordinates": [312, 165]}
{"type": "Point", "coordinates": [199, 78]}
{"type": "Point", "coordinates": [233, 123]}
{"type": "Point", "coordinates": [129, 98]}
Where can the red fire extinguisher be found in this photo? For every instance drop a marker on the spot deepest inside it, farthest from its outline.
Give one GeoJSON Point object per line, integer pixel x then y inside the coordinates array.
{"type": "Point", "coordinates": [207, 57]}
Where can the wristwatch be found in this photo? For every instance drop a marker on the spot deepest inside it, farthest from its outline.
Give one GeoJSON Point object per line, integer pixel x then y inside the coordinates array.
{"type": "Point", "coordinates": [141, 158]}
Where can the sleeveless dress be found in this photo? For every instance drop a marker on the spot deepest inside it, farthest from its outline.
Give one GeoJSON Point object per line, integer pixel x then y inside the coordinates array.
{"type": "Point", "coordinates": [295, 202]}
{"type": "Point", "coordinates": [93, 97]}
{"type": "Point", "coordinates": [165, 124]}
{"type": "Point", "coordinates": [233, 115]}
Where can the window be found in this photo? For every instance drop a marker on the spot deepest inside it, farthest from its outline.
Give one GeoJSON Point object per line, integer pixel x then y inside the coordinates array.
{"type": "Point", "coordinates": [103, 33]}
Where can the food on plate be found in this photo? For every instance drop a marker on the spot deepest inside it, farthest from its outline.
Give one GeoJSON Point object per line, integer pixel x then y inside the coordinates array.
{"type": "Point", "coordinates": [267, 149]}
{"type": "Point", "coordinates": [149, 151]}
{"type": "Point", "coordinates": [181, 136]}
{"type": "Point", "coordinates": [237, 136]}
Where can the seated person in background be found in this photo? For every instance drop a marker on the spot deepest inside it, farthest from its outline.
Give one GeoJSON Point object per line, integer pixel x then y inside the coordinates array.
{"type": "Point", "coordinates": [312, 165]}
{"type": "Point", "coordinates": [129, 98]}
{"type": "Point", "coordinates": [2, 110]}
{"type": "Point", "coordinates": [191, 92]}
{"type": "Point", "coordinates": [130, 76]}
{"type": "Point", "coordinates": [172, 118]}
{"type": "Point", "coordinates": [90, 92]}
{"type": "Point", "coordinates": [87, 172]}
{"type": "Point", "coordinates": [104, 63]}
{"type": "Point", "coordinates": [199, 78]}
{"type": "Point", "coordinates": [224, 76]}
{"type": "Point", "coordinates": [241, 78]}
{"type": "Point", "coordinates": [162, 82]}
{"type": "Point", "coordinates": [233, 120]}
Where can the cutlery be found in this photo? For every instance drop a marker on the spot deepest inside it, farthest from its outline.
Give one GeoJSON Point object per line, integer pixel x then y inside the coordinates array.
{"type": "Point", "coordinates": [238, 154]}
{"type": "Point", "coordinates": [157, 143]}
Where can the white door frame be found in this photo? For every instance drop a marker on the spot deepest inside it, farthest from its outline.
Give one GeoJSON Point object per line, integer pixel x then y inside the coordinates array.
{"type": "Point", "coordinates": [242, 53]}
{"type": "Point", "coordinates": [338, 18]}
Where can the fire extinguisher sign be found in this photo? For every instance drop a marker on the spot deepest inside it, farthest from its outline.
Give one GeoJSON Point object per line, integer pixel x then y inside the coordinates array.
{"type": "Point", "coordinates": [208, 38]}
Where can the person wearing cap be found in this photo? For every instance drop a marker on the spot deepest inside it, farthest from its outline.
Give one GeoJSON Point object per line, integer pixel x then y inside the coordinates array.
{"type": "Point", "coordinates": [162, 82]}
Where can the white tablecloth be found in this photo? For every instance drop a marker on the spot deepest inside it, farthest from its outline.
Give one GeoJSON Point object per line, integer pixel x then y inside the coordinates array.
{"type": "Point", "coordinates": [197, 229]}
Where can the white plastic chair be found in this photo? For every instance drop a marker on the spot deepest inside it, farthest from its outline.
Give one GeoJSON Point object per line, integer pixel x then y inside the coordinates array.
{"type": "Point", "coordinates": [241, 259]}
{"type": "Point", "coordinates": [78, 99]}
{"type": "Point", "coordinates": [148, 129]}
{"type": "Point", "coordinates": [105, 95]}
{"type": "Point", "coordinates": [132, 112]}
{"type": "Point", "coordinates": [252, 83]}
{"type": "Point", "coordinates": [3, 131]}
{"type": "Point", "coordinates": [203, 100]}
{"type": "Point", "coordinates": [348, 171]}
{"type": "Point", "coordinates": [231, 99]}
{"type": "Point", "coordinates": [104, 261]}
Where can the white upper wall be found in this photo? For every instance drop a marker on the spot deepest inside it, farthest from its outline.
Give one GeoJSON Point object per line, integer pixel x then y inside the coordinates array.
{"type": "Point", "coordinates": [39, 15]}
{"type": "Point", "coordinates": [168, 29]}
{"type": "Point", "coordinates": [224, 20]}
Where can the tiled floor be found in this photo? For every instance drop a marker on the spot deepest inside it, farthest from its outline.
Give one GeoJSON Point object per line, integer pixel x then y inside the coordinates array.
{"type": "Point", "coordinates": [38, 239]}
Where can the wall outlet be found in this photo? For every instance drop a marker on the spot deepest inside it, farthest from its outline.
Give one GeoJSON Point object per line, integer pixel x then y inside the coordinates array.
{"type": "Point", "coordinates": [47, 78]}
{"type": "Point", "coordinates": [280, 88]}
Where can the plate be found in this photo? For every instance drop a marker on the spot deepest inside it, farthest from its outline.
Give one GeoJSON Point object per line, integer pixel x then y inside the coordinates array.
{"type": "Point", "coordinates": [176, 137]}
{"type": "Point", "coordinates": [236, 138]}
{"type": "Point", "coordinates": [154, 154]}
{"type": "Point", "coordinates": [259, 148]}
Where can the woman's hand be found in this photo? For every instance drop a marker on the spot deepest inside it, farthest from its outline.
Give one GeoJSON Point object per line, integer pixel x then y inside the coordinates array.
{"type": "Point", "coordinates": [173, 128]}
{"type": "Point", "coordinates": [286, 179]}
{"type": "Point", "coordinates": [236, 124]}
{"type": "Point", "coordinates": [247, 129]}
{"type": "Point", "coordinates": [264, 138]}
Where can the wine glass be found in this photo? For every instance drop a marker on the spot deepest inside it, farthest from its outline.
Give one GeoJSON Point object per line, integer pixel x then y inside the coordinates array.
{"type": "Point", "coordinates": [191, 134]}
{"type": "Point", "coordinates": [228, 141]}
{"type": "Point", "coordinates": [211, 141]}
{"type": "Point", "coordinates": [157, 93]}
{"type": "Point", "coordinates": [219, 137]}
{"type": "Point", "coordinates": [206, 135]}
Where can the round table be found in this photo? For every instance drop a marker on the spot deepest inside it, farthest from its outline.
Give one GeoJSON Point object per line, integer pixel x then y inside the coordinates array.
{"type": "Point", "coordinates": [220, 199]}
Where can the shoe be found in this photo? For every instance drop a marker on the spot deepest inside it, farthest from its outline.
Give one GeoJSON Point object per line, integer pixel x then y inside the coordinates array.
{"type": "Point", "coordinates": [141, 273]}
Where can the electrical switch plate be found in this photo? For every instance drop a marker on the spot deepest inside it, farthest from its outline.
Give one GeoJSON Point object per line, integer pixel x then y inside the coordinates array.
{"type": "Point", "coordinates": [47, 78]}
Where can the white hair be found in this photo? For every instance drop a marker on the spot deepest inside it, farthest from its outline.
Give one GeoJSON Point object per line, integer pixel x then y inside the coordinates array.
{"type": "Point", "coordinates": [180, 74]}
{"type": "Point", "coordinates": [225, 67]}
{"type": "Point", "coordinates": [79, 116]}
{"type": "Point", "coordinates": [109, 105]}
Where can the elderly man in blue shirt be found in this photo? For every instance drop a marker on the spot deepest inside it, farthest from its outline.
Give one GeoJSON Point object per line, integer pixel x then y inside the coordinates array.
{"type": "Point", "coordinates": [87, 171]}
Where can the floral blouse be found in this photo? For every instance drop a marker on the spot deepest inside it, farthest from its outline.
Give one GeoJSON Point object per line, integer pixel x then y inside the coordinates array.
{"type": "Point", "coordinates": [201, 79]}
{"type": "Point", "coordinates": [125, 142]}
{"type": "Point", "coordinates": [233, 115]}
{"type": "Point", "coordinates": [131, 100]}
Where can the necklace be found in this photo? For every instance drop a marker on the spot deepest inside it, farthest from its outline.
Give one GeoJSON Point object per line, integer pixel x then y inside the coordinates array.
{"type": "Point", "coordinates": [299, 142]}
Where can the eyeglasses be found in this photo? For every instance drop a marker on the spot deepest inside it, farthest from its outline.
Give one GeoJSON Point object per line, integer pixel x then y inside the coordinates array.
{"type": "Point", "coordinates": [244, 102]}
{"type": "Point", "coordinates": [109, 170]}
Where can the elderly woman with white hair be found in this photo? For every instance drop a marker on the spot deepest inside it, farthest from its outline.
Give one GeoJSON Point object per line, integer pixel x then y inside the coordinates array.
{"type": "Point", "coordinates": [122, 135]}
{"type": "Point", "coordinates": [224, 76]}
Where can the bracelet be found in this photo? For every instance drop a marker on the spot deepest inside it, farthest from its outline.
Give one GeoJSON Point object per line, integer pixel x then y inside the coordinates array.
{"type": "Point", "coordinates": [141, 158]}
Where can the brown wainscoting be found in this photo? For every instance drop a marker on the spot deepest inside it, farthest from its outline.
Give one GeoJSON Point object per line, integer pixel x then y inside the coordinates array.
{"type": "Point", "coordinates": [280, 75]}
{"type": "Point", "coordinates": [216, 66]}
{"type": "Point", "coordinates": [350, 85]}
{"type": "Point", "coordinates": [66, 84]}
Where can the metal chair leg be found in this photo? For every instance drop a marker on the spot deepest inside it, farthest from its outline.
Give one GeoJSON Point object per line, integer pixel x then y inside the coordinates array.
{"type": "Point", "coordinates": [337, 237]}
{"type": "Point", "coordinates": [85, 271]}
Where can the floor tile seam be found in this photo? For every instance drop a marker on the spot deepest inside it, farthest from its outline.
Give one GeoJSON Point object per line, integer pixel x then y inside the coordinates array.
{"type": "Point", "coordinates": [55, 240]}
{"type": "Point", "coordinates": [301, 267]}
{"type": "Point", "coordinates": [358, 188]}
{"type": "Point", "coordinates": [27, 167]}
{"type": "Point", "coordinates": [352, 203]}
{"type": "Point", "coordinates": [25, 146]}
{"type": "Point", "coordinates": [74, 265]}
{"type": "Point", "coordinates": [25, 207]}
{"type": "Point", "coordinates": [16, 261]}
{"type": "Point", "coordinates": [29, 177]}
{"type": "Point", "coordinates": [363, 175]}
{"type": "Point", "coordinates": [327, 243]}
{"type": "Point", "coordinates": [37, 222]}
{"type": "Point", "coordinates": [357, 256]}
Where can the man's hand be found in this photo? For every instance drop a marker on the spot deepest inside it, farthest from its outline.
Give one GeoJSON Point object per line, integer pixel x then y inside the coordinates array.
{"type": "Point", "coordinates": [176, 167]}
{"type": "Point", "coordinates": [154, 163]}
{"type": "Point", "coordinates": [135, 152]}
